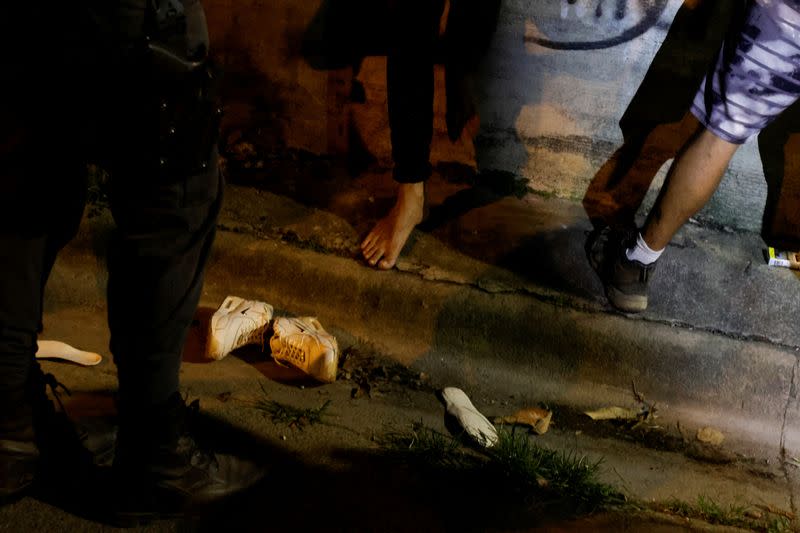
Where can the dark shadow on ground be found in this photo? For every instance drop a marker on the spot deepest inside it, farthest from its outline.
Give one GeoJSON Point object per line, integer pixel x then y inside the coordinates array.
{"type": "Point", "coordinates": [195, 347]}
{"type": "Point", "coordinates": [779, 145]}
{"type": "Point", "coordinates": [259, 358]}
{"type": "Point", "coordinates": [383, 489]}
{"type": "Point", "coordinates": [488, 188]}
{"type": "Point", "coordinates": [378, 492]}
{"type": "Point", "coordinates": [554, 259]}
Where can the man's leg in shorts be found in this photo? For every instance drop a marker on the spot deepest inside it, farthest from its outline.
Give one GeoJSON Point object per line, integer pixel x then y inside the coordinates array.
{"type": "Point", "coordinates": [757, 76]}
{"type": "Point", "coordinates": [694, 176]}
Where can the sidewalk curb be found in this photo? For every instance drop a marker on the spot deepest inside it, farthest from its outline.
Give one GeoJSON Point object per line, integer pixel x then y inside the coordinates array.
{"type": "Point", "coordinates": [500, 343]}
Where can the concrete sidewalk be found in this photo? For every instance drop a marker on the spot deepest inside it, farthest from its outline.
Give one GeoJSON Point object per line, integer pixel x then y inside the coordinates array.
{"type": "Point", "coordinates": [499, 297]}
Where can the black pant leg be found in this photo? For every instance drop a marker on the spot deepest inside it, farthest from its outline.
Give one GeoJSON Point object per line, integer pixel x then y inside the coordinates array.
{"type": "Point", "coordinates": [41, 204]}
{"type": "Point", "coordinates": [165, 197]}
{"type": "Point", "coordinates": [414, 28]}
{"type": "Point", "coordinates": [157, 260]}
{"type": "Point", "coordinates": [42, 178]}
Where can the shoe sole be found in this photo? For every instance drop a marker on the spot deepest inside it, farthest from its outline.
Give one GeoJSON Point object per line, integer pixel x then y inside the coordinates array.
{"type": "Point", "coordinates": [630, 303]}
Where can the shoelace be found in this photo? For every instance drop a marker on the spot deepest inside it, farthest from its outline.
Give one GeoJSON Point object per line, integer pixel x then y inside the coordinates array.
{"type": "Point", "coordinates": [250, 334]}
{"type": "Point", "coordinates": [295, 352]}
{"type": "Point", "coordinates": [51, 381]}
{"type": "Point", "coordinates": [199, 457]}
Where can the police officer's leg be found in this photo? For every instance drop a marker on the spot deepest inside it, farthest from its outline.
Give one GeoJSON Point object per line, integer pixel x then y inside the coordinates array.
{"type": "Point", "coordinates": [22, 258]}
{"type": "Point", "coordinates": [165, 197]}
{"type": "Point", "coordinates": [41, 202]}
{"type": "Point", "coordinates": [165, 208]}
{"type": "Point", "coordinates": [165, 228]}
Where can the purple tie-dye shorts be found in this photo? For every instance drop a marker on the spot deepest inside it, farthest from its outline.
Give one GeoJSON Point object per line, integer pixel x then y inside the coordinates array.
{"type": "Point", "coordinates": [762, 78]}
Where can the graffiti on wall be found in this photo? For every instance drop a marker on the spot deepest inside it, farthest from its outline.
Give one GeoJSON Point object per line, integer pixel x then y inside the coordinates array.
{"type": "Point", "coordinates": [591, 24]}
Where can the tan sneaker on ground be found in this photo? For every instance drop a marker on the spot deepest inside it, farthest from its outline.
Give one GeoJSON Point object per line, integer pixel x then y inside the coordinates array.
{"type": "Point", "coordinates": [302, 343]}
{"type": "Point", "coordinates": [237, 322]}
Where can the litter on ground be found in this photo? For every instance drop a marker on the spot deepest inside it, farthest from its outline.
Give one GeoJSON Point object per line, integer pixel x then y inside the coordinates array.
{"type": "Point", "coordinates": [474, 423]}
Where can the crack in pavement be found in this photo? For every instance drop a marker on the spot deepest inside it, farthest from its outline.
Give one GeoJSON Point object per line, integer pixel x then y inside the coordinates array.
{"type": "Point", "coordinates": [559, 299]}
{"type": "Point", "coordinates": [784, 464]}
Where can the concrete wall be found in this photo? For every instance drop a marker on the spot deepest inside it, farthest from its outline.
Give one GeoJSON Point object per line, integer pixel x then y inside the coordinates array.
{"type": "Point", "coordinates": [551, 90]}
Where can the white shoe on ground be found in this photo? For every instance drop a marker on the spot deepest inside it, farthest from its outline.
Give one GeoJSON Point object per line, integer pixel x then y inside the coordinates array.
{"type": "Point", "coordinates": [474, 423]}
{"type": "Point", "coordinates": [303, 344]}
{"type": "Point", "coordinates": [237, 322]}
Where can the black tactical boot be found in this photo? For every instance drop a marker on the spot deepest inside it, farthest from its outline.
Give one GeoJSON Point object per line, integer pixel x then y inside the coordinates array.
{"type": "Point", "coordinates": [66, 467]}
{"type": "Point", "coordinates": [160, 471]}
{"type": "Point", "coordinates": [38, 442]}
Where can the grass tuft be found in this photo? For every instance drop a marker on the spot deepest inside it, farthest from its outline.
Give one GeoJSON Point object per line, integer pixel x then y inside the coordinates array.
{"type": "Point", "coordinates": [519, 462]}
{"type": "Point", "coordinates": [741, 516]}
{"type": "Point", "coordinates": [294, 417]}
{"type": "Point", "coordinates": [713, 512]}
{"type": "Point", "coordinates": [779, 524]}
{"type": "Point", "coordinates": [518, 468]}
{"type": "Point", "coordinates": [423, 446]}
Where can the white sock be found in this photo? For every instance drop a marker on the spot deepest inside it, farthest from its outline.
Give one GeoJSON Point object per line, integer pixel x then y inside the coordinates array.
{"type": "Point", "coordinates": [642, 253]}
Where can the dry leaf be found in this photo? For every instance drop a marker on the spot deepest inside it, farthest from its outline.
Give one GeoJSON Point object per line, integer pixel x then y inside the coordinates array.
{"type": "Point", "coordinates": [536, 418]}
{"type": "Point", "coordinates": [710, 435]}
{"type": "Point", "coordinates": [613, 413]}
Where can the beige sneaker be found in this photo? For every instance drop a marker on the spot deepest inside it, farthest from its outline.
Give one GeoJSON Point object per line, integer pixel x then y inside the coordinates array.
{"type": "Point", "coordinates": [302, 343]}
{"type": "Point", "coordinates": [237, 322]}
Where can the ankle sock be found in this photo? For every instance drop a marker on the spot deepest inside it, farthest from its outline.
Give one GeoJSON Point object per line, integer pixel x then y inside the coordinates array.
{"type": "Point", "coordinates": [642, 253]}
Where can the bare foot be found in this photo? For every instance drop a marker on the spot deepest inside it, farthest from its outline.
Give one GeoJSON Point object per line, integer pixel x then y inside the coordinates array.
{"type": "Point", "coordinates": [387, 238]}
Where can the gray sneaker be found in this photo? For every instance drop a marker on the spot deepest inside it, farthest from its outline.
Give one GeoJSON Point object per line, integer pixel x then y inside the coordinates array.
{"type": "Point", "coordinates": [625, 281]}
